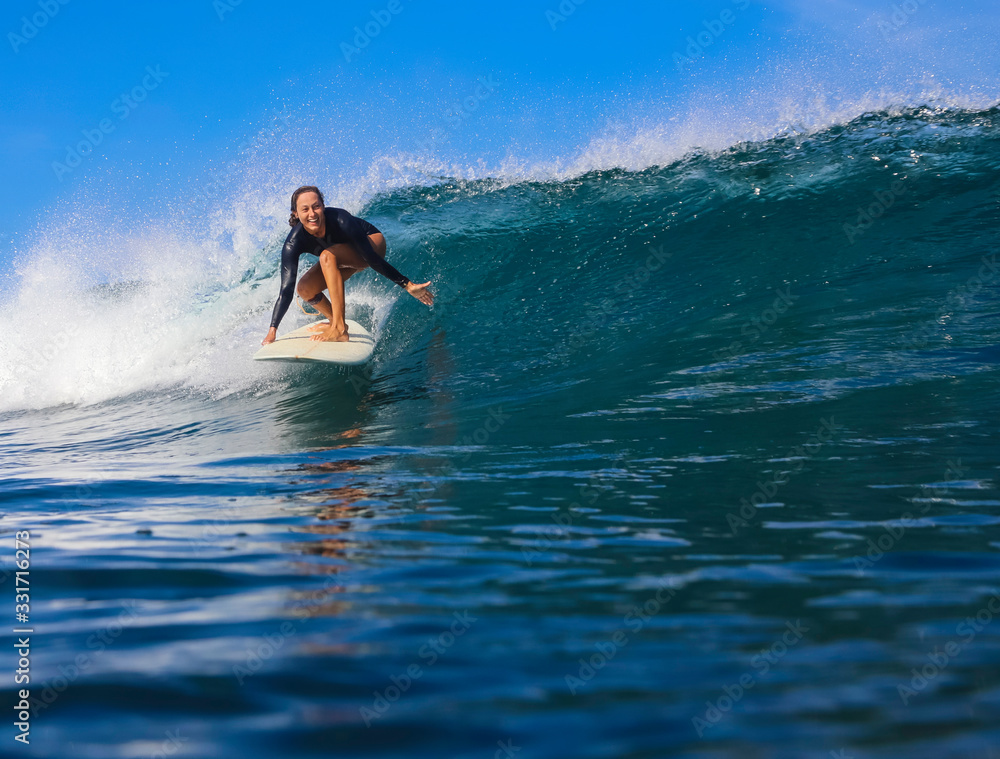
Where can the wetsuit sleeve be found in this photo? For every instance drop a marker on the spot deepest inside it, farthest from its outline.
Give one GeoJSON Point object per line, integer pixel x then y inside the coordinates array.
{"type": "Point", "coordinates": [289, 269]}
{"type": "Point", "coordinates": [352, 227]}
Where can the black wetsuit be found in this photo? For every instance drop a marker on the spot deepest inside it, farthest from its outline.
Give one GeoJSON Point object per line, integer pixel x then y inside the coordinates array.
{"type": "Point", "coordinates": [341, 227]}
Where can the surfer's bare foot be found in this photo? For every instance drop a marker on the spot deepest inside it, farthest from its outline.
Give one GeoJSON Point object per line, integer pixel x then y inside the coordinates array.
{"type": "Point", "coordinates": [318, 326]}
{"type": "Point", "coordinates": [332, 335]}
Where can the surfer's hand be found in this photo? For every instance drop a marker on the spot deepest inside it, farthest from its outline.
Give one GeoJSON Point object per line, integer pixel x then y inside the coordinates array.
{"type": "Point", "coordinates": [271, 335]}
{"type": "Point", "coordinates": [421, 293]}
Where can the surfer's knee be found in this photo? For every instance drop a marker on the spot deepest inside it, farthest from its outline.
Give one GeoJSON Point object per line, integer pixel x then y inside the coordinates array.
{"type": "Point", "coordinates": [328, 258]}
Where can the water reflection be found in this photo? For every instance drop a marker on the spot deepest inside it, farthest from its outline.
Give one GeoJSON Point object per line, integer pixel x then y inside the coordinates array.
{"type": "Point", "coordinates": [337, 510]}
{"type": "Point", "coordinates": [321, 405]}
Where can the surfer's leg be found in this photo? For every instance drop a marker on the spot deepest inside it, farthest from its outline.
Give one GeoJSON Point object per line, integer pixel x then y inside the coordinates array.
{"type": "Point", "coordinates": [349, 258]}
{"type": "Point", "coordinates": [311, 287]}
{"type": "Point", "coordinates": [337, 331]}
{"type": "Point", "coordinates": [343, 261]}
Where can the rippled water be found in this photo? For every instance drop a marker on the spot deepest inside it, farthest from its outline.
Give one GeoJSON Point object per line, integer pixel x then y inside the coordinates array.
{"type": "Point", "coordinates": [680, 465]}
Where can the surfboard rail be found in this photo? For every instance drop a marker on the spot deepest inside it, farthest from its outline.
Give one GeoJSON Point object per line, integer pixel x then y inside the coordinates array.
{"type": "Point", "coordinates": [299, 346]}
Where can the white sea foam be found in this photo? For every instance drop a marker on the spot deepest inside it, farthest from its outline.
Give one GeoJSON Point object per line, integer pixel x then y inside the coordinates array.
{"type": "Point", "coordinates": [178, 313]}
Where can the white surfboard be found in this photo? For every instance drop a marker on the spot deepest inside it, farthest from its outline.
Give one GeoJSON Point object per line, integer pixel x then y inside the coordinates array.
{"type": "Point", "coordinates": [298, 346]}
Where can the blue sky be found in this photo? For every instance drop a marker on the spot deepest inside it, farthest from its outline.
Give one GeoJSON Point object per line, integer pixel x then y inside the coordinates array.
{"type": "Point", "coordinates": [165, 95]}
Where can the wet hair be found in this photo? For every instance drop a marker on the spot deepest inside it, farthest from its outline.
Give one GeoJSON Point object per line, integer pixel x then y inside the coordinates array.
{"type": "Point", "coordinates": [293, 219]}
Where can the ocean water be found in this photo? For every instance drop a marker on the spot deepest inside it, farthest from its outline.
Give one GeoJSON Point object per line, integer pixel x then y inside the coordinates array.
{"type": "Point", "coordinates": [691, 458]}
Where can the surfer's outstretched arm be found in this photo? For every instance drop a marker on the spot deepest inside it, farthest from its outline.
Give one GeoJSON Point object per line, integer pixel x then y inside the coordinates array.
{"type": "Point", "coordinates": [289, 269]}
{"type": "Point", "coordinates": [359, 238]}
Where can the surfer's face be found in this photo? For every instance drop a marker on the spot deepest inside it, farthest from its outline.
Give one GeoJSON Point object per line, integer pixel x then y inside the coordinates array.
{"type": "Point", "coordinates": [309, 209]}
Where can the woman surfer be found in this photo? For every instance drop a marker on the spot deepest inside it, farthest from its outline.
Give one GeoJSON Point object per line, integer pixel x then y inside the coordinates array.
{"type": "Point", "coordinates": [344, 245]}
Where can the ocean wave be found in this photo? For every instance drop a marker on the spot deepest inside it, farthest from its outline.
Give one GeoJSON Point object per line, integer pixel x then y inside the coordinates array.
{"type": "Point", "coordinates": [898, 204]}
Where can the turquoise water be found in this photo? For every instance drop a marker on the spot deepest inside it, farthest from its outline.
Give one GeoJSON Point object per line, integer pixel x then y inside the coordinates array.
{"type": "Point", "coordinates": [691, 461]}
